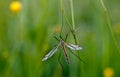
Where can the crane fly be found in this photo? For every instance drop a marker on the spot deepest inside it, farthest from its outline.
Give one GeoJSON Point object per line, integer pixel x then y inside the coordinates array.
{"type": "Point", "coordinates": [63, 44]}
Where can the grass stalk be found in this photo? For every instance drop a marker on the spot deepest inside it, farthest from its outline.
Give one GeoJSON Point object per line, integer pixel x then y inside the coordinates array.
{"type": "Point", "coordinates": [109, 25]}
{"type": "Point", "coordinates": [72, 14]}
{"type": "Point", "coordinates": [73, 21]}
{"type": "Point", "coordinates": [66, 19]}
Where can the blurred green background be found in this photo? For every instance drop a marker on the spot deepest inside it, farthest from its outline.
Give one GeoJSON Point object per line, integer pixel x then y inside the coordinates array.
{"type": "Point", "coordinates": [26, 36]}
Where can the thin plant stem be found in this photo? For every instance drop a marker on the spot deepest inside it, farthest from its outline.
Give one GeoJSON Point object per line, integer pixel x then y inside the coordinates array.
{"type": "Point", "coordinates": [61, 18]}
{"type": "Point", "coordinates": [64, 14]}
{"type": "Point", "coordinates": [66, 19]}
{"type": "Point", "coordinates": [72, 14]}
{"type": "Point", "coordinates": [109, 25]}
{"type": "Point", "coordinates": [73, 24]}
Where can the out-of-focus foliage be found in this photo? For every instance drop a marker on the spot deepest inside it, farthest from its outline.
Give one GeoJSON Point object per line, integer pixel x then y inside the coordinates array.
{"type": "Point", "coordinates": [27, 31]}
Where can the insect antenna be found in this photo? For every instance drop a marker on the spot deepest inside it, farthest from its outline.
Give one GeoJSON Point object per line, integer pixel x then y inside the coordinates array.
{"type": "Point", "coordinates": [66, 36]}
{"type": "Point", "coordinates": [56, 38]}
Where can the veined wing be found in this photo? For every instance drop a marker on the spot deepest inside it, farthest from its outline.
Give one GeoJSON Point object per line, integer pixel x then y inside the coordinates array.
{"type": "Point", "coordinates": [74, 47]}
{"type": "Point", "coordinates": [47, 56]}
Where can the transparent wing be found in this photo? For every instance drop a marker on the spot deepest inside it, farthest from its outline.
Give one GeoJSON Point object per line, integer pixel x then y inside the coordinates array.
{"type": "Point", "coordinates": [47, 56]}
{"type": "Point", "coordinates": [74, 47]}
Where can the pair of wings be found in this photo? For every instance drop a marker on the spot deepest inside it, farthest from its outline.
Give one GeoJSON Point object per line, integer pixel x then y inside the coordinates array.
{"type": "Point", "coordinates": [70, 46]}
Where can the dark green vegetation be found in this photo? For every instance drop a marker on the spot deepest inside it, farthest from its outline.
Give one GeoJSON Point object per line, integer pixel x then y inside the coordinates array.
{"type": "Point", "coordinates": [27, 36]}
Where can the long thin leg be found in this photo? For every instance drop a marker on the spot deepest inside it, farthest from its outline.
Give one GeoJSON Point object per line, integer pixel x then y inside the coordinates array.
{"type": "Point", "coordinates": [59, 61]}
{"type": "Point", "coordinates": [66, 36]}
{"type": "Point", "coordinates": [77, 56]}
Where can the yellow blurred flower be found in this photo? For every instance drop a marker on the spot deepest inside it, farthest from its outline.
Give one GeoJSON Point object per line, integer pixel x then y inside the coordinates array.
{"type": "Point", "coordinates": [15, 6]}
{"type": "Point", "coordinates": [108, 72]}
{"type": "Point", "coordinates": [5, 55]}
{"type": "Point", "coordinates": [116, 28]}
{"type": "Point", "coordinates": [45, 47]}
{"type": "Point", "coordinates": [57, 29]}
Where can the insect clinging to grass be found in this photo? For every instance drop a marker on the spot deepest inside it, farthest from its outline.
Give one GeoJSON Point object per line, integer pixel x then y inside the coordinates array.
{"type": "Point", "coordinates": [63, 44]}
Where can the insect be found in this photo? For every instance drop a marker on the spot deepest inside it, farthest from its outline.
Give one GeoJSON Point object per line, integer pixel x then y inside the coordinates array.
{"type": "Point", "coordinates": [63, 44]}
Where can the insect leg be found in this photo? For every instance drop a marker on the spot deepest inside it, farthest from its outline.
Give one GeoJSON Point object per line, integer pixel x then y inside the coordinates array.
{"type": "Point", "coordinates": [59, 61]}
{"type": "Point", "coordinates": [66, 36]}
{"type": "Point", "coordinates": [77, 56]}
